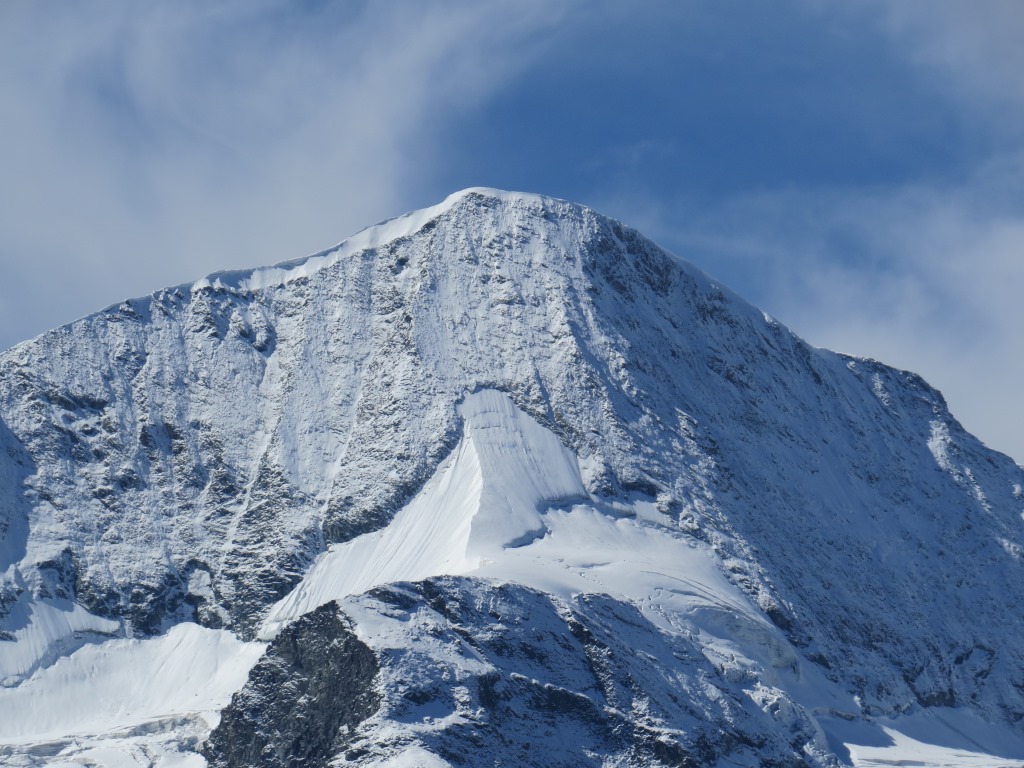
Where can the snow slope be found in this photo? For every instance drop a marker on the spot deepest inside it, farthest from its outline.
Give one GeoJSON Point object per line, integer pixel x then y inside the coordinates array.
{"type": "Point", "coordinates": [516, 390]}
{"type": "Point", "coordinates": [509, 505]}
{"type": "Point", "coordinates": [100, 699]}
{"type": "Point", "coordinates": [484, 498]}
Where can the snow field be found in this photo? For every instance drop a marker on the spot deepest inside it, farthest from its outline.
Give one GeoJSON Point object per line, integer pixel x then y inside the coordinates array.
{"type": "Point", "coordinates": [509, 504]}
{"type": "Point", "coordinates": [121, 685]}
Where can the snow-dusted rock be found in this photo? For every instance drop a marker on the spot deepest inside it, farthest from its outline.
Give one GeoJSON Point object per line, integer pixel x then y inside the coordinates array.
{"type": "Point", "coordinates": [477, 674]}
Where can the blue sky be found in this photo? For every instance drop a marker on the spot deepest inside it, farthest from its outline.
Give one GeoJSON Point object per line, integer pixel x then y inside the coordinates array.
{"type": "Point", "coordinates": [854, 169]}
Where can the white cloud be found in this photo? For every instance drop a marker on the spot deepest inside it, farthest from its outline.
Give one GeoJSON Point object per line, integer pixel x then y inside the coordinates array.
{"type": "Point", "coordinates": [946, 297]}
{"type": "Point", "coordinates": [148, 144]}
{"type": "Point", "coordinates": [972, 49]}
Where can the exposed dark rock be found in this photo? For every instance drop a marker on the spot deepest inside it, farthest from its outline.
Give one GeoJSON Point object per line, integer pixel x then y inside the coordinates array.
{"type": "Point", "coordinates": [313, 686]}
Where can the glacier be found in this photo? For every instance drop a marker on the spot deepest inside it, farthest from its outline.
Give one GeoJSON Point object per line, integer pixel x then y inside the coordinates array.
{"type": "Point", "coordinates": [507, 483]}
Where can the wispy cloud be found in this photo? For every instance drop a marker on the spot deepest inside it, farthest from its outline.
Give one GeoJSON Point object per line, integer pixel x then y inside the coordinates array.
{"type": "Point", "coordinates": [146, 144]}
{"type": "Point", "coordinates": [973, 50]}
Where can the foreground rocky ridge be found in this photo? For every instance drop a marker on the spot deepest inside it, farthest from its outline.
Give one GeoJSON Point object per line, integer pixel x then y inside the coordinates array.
{"type": "Point", "coordinates": [186, 457]}
{"type": "Point", "coordinates": [315, 683]}
{"type": "Point", "coordinates": [481, 674]}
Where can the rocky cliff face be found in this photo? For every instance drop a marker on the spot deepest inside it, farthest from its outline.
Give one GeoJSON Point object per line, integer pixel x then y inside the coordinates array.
{"type": "Point", "coordinates": [188, 456]}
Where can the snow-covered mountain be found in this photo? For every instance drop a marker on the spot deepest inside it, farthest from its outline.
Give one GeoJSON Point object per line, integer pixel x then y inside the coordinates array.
{"type": "Point", "coordinates": [499, 482]}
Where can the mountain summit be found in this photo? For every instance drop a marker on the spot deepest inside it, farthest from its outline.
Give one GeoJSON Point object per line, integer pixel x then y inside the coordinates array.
{"type": "Point", "coordinates": [496, 482]}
